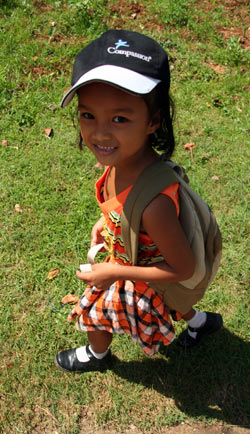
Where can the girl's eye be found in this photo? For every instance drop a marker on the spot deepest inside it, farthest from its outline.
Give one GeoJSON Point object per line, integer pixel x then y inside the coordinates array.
{"type": "Point", "coordinates": [119, 119]}
{"type": "Point", "coordinates": [87, 116]}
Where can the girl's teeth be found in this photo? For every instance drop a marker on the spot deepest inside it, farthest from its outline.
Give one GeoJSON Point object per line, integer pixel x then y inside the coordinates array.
{"type": "Point", "coordinates": [106, 148]}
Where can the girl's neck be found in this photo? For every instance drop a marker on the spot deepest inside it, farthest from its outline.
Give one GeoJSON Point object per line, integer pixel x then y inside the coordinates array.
{"type": "Point", "coordinates": [136, 166]}
{"type": "Point", "coordinates": [120, 178]}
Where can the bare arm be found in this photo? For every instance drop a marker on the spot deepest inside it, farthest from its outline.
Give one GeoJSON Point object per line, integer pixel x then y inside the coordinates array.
{"type": "Point", "coordinates": [96, 237]}
{"type": "Point", "coordinates": [162, 225]}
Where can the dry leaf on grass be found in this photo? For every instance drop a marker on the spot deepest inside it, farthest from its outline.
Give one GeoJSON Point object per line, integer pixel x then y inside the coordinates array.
{"type": "Point", "coordinates": [53, 273]}
{"type": "Point", "coordinates": [18, 208]}
{"type": "Point", "coordinates": [5, 144]}
{"type": "Point", "coordinates": [70, 299]}
{"type": "Point", "coordinates": [189, 147]}
{"type": "Point", "coordinates": [49, 132]}
{"type": "Point", "coordinates": [217, 68]}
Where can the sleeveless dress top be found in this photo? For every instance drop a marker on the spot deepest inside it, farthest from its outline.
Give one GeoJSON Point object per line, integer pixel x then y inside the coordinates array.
{"type": "Point", "coordinates": [127, 307]}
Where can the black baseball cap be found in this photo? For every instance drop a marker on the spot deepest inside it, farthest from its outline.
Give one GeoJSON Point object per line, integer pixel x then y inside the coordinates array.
{"type": "Point", "coordinates": [128, 60]}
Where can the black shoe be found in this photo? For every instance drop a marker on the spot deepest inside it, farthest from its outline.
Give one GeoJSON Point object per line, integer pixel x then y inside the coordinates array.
{"type": "Point", "coordinates": [68, 361]}
{"type": "Point", "coordinates": [213, 323]}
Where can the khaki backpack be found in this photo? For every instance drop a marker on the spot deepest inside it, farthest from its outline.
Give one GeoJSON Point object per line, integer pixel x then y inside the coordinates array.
{"type": "Point", "coordinates": [198, 223]}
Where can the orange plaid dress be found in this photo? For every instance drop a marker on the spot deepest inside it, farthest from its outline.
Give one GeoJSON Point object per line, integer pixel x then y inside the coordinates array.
{"type": "Point", "coordinates": [127, 307]}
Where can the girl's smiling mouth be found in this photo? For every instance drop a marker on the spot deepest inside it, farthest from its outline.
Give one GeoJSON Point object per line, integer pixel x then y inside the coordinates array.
{"type": "Point", "coordinates": [104, 150]}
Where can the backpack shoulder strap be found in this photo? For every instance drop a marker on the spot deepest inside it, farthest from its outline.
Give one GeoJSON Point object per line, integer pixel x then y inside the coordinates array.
{"type": "Point", "coordinates": [153, 179]}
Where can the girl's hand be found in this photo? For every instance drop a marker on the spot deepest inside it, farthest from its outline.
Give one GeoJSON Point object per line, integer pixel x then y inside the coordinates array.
{"type": "Point", "coordinates": [96, 237]}
{"type": "Point", "coordinates": [77, 311]}
{"type": "Point", "coordinates": [102, 275]}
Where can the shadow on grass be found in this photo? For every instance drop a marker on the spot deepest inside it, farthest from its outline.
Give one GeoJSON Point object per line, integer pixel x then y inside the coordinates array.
{"type": "Point", "coordinates": [211, 381]}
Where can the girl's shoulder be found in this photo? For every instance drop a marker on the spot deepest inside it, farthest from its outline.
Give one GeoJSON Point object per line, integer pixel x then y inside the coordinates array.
{"type": "Point", "coordinates": [172, 192]}
{"type": "Point", "coordinates": [106, 193]}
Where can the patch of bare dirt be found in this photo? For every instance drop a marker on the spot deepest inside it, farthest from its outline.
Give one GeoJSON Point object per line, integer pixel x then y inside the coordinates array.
{"type": "Point", "coordinates": [206, 5]}
{"type": "Point", "coordinates": [217, 68]}
{"type": "Point", "coordinates": [179, 429]}
{"type": "Point", "coordinates": [44, 7]}
{"type": "Point", "coordinates": [238, 13]}
{"type": "Point", "coordinates": [87, 425]}
{"type": "Point", "coordinates": [241, 34]}
{"type": "Point", "coordinates": [122, 12]}
{"type": "Point", "coordinates": [232, 4]}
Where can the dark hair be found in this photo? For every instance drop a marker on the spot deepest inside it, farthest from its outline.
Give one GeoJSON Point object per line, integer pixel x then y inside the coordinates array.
{"type": "Point", "coordinates": [162, 140]}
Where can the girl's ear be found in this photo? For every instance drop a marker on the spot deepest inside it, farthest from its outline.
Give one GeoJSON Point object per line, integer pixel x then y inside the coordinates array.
{"type": "Point", "coordinates": [155, 122]}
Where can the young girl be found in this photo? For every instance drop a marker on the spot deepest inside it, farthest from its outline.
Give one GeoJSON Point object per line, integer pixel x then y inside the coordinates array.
{"type": "Point", "coordinates": [122, 82]}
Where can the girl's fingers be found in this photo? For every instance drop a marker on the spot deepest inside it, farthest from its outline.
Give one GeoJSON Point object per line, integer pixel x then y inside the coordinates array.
{"type": "Point", "coordinates": [83, 276]}
{"type": "Point", "coordinates": [72, 315]}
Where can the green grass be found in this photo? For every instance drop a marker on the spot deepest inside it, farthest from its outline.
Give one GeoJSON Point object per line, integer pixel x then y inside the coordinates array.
{"type": "Point", "coordinates": [52, 181]}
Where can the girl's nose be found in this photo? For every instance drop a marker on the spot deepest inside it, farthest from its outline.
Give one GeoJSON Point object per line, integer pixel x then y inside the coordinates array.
{"type": "Point", "coordinates": [101, 132]}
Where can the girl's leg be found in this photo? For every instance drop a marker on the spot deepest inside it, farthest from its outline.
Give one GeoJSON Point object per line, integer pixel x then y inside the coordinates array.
{"type": "Point", "coordinates": [99, 340]}
{"type": "Point", "coordinates": [189, 315]}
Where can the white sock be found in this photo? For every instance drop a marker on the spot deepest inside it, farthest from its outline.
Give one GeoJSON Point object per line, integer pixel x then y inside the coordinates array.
{"type": "Point", "coordinates": [98, 355]}
{"type": "Point", "coordinates": [197, 321]}
{"type": "Point", "coordinates": [82, 355]}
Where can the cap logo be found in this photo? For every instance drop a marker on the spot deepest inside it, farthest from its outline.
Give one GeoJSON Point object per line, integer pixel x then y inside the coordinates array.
{"type": "Point", "coordinates": [121, 43]}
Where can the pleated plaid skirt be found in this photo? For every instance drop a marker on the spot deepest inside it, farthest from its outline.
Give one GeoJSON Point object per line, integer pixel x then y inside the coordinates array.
{"type": "Point", "coordinates": [129, 308]}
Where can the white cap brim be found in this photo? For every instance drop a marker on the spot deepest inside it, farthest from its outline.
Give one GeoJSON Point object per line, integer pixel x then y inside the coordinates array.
{"type": "Point", "coordinates": [123, 78]}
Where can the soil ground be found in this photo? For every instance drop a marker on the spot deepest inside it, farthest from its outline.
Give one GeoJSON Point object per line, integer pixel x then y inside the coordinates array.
{"type": "Point", "coordinates": [180, 429]}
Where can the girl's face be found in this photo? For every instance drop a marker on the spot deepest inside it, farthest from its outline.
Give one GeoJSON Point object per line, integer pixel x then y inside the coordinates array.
{"type": "Point", "coordinates": [115, 125]}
